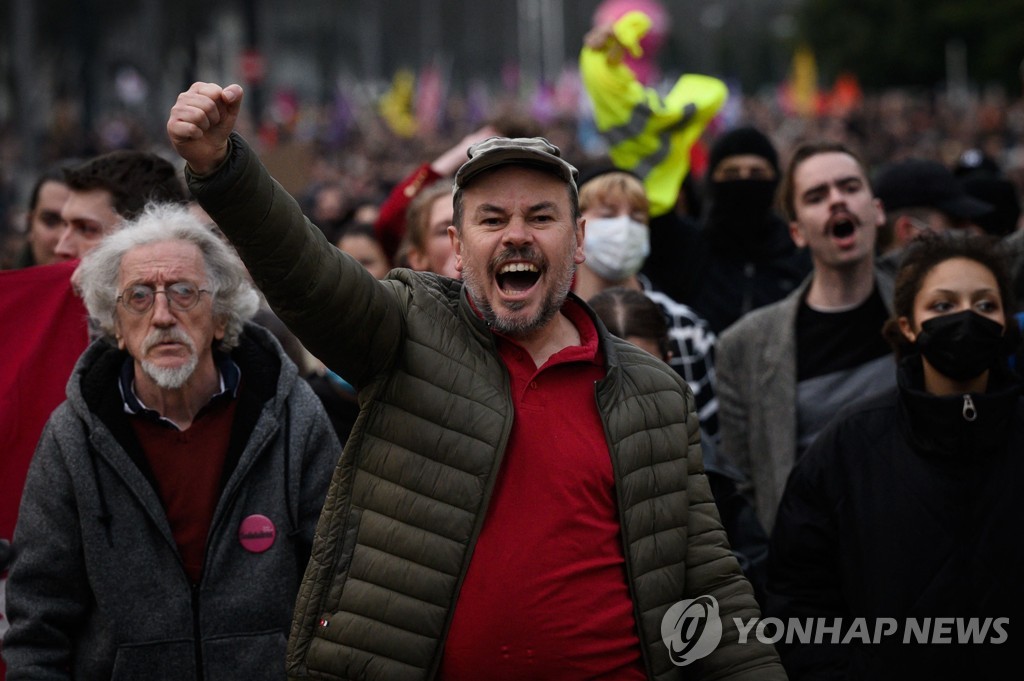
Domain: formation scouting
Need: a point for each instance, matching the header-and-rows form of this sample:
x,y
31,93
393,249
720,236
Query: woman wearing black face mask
x,y
905,509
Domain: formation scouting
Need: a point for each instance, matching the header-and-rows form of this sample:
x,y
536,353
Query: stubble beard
x,y
515,326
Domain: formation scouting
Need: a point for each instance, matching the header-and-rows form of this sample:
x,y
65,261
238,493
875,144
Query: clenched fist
x,y
200,123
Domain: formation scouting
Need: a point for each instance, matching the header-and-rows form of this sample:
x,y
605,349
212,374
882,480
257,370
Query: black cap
x,y
916,183
1002,194
973,162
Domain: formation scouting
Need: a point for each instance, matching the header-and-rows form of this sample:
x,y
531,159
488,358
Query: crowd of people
x,y
370,159
493,408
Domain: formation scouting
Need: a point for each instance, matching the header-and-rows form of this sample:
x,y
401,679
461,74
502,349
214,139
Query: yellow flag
x,y
804,83
396,104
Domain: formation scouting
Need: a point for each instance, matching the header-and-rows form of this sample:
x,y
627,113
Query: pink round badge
x,y
256,533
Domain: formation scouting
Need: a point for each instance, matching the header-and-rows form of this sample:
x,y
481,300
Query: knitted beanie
x,y
743,141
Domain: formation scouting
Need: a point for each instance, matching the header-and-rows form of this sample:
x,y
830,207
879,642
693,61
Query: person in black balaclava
x,y
748,259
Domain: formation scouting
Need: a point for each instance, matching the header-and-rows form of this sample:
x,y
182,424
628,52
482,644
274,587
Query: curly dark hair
x,y
922,255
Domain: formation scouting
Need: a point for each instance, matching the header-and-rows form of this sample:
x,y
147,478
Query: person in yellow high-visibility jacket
x,y
647,134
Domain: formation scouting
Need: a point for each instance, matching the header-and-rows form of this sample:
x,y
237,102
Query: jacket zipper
x,y
484,505
622,536
197,638
220,511
970,412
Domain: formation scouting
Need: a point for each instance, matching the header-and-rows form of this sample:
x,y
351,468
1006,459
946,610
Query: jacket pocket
x,y
252,656
155,661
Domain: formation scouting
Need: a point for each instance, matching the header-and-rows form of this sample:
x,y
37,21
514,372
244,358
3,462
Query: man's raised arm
x,y
320,293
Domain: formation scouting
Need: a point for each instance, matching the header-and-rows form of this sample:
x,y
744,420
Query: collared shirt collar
x,y
572,309
230,376
588,350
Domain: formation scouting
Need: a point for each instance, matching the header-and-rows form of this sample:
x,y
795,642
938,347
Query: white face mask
x,y
616,247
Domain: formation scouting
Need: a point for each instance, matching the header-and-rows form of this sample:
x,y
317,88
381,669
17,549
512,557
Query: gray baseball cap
x,y
524,151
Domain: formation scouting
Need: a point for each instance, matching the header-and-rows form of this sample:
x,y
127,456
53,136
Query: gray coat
x,y
411,492
756,372
98,590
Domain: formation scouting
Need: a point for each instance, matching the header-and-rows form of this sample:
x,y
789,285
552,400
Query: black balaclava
x,y
739,218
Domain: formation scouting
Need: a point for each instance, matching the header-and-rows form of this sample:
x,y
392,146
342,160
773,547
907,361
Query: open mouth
x,y
517,277
843,228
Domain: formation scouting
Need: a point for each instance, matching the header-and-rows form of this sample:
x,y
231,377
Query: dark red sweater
x,y
188,466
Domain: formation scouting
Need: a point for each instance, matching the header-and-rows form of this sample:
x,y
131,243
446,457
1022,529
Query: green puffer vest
x,y
408,497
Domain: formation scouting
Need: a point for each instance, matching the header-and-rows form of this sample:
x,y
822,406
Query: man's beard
x,y
558,289
170,378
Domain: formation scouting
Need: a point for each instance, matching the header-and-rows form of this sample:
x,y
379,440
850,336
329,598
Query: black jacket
x,y
718,278
735,278
903,508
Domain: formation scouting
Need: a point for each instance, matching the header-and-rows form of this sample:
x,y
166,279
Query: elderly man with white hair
x,y
170,508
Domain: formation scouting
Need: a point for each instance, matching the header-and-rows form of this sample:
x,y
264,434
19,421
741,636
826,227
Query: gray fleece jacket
x,y
98,590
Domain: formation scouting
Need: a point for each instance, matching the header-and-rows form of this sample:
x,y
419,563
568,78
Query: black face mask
x,y
739,214
961,346
741,205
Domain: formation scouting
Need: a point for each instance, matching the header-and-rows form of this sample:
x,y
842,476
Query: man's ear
x,y
903,230
117,334
796,234
453,234
581,230
880,212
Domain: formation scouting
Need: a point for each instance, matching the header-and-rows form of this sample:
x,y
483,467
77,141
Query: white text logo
x,y
932,630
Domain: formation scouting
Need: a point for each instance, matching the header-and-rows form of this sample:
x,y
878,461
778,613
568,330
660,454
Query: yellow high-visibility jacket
x,y
646,134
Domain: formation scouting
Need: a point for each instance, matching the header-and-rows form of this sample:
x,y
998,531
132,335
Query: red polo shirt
x,y
546,596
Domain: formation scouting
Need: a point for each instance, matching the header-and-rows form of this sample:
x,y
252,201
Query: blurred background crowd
x,y
345,98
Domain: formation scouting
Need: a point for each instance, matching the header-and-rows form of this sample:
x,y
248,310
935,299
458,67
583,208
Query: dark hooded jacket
x,y
98,589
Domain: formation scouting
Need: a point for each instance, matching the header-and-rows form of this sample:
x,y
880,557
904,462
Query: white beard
x,y
171,378
174,377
